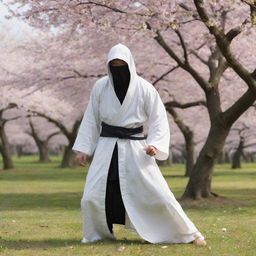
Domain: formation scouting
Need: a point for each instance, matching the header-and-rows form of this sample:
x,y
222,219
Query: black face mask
x,y
121,79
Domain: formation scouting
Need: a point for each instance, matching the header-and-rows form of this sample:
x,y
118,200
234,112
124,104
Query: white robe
x,y
151,208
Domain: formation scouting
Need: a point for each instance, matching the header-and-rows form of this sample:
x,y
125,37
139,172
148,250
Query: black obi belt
x,y
121,132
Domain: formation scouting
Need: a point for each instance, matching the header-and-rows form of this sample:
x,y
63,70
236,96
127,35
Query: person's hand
x,y
150,150
81,158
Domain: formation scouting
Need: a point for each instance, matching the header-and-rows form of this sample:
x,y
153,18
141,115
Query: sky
x,y
13,32
12,29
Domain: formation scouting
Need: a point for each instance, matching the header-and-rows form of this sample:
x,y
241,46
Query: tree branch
x,y
216,72
53,134
200,80
188,9
232,33
12,119
252,10
186,131
9,106
33,132
223,42
239,107
199,57
183,45
54,121
101,5
175,104
112,8
79,75
249,145
164,75
194,52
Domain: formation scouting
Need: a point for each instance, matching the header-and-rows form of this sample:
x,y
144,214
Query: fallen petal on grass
x,y
121,248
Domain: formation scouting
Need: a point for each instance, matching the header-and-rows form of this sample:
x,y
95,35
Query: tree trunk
x,y
7,159
250,157
226,158
236,162
190,153
221,158
199,185
68,159
43,152
236,159
19,150
42,146
170,158
189,140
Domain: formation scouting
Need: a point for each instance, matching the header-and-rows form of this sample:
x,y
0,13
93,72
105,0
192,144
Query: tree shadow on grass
x,y
234,173
56,243
43,174
70,201
36,244
24,201
234,198
167,176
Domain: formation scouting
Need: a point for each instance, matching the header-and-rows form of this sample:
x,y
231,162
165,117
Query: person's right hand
x,y
81,158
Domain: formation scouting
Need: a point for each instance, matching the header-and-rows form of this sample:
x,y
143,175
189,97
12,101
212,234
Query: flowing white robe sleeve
x,y
89,130
158,125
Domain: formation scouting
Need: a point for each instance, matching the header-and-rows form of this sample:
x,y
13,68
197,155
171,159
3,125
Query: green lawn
x,y
40,214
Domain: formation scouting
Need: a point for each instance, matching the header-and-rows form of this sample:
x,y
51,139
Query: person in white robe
x,y
151,209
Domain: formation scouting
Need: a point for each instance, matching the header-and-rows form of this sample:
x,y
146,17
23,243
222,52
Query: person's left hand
x,y
150,150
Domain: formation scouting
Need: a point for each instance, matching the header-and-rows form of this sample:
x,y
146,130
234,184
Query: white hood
x,y
122,52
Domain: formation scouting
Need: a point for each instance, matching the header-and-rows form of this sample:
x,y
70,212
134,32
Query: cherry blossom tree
x,y
241,140
54,88
6,115
42,144
171,104
46,104
203,39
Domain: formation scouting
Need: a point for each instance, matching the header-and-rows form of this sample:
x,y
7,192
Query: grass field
x,y
40,214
